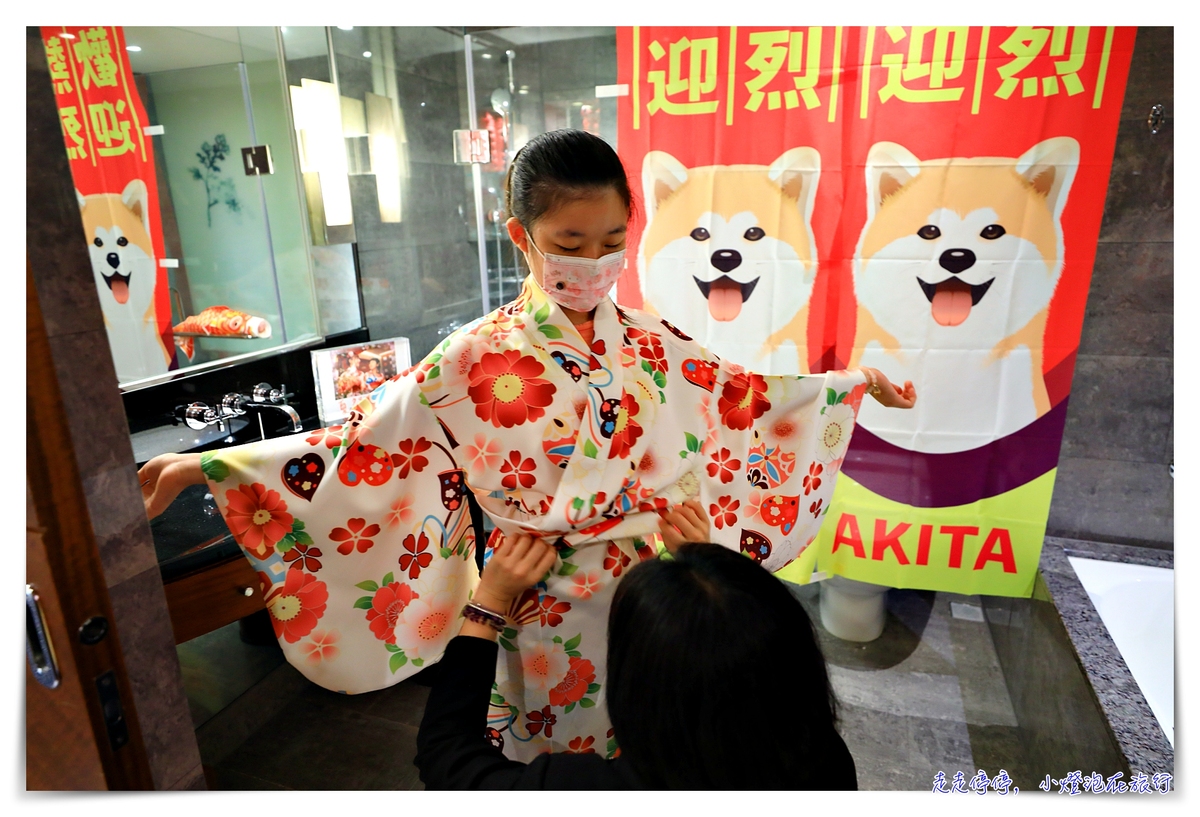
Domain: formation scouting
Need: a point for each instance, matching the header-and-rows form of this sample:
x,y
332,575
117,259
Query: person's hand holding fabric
x,y
888,393
517,563
684,523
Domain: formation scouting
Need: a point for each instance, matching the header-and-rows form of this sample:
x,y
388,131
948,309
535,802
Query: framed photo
x,y
346,374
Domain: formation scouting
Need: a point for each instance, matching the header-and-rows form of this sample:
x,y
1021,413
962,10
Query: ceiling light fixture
x,y
486,55
367,54
133,48
346,28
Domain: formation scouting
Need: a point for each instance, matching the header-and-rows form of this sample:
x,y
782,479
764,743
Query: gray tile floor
x,y
927,696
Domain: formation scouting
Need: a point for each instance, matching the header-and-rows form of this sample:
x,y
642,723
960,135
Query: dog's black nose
x,y
726,260
955,261
113,260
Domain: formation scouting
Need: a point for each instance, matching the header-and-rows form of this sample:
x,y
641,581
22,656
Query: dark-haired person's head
x,y
567,194
715,679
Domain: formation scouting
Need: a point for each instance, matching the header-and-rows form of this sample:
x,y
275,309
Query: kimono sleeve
x,y
774,447
360,537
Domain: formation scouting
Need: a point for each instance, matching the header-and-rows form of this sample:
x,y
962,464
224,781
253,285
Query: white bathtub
x,y
1137,605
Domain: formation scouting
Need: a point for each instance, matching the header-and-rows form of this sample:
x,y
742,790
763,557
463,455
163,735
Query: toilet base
x,y
851,610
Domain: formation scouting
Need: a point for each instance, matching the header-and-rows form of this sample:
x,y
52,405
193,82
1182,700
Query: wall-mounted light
x,y
383,138
486,55
367,54
133,48
317,109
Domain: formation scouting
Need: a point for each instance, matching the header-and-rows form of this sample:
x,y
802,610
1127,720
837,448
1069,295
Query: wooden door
x,y
81,733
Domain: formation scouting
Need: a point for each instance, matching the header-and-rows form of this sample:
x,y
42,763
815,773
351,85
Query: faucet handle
x,y
199,416
264,393
233,404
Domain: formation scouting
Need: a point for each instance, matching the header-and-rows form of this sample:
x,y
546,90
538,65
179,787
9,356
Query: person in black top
x,y
715,681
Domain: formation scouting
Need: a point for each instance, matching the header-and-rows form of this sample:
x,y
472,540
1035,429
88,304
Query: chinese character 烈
x,y
94,53
700,78
56,56
770,49
109,128
71,126
946,62
1025,44
939,783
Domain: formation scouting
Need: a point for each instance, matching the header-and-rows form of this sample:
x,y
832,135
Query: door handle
x,y
38,648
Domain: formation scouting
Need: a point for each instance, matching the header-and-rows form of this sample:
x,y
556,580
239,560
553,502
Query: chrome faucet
x,y
262,396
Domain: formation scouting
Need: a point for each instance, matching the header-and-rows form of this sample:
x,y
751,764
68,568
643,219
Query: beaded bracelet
x,y
481,615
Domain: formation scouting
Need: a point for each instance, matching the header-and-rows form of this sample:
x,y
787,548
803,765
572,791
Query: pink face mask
x,y
580,283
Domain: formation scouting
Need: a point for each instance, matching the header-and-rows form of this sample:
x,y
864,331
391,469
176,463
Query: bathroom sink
x,y
178,439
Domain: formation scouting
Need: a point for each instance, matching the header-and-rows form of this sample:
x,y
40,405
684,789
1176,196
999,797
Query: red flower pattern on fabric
x,y
410,457
357,533
650,349
297,605
812,480
581,746
257,517
542,721
508,390
627,431
304,557
332,437
417,557
386,605
550,611
517,471
574,684
815,508
724,465
723,512
743,400
615,561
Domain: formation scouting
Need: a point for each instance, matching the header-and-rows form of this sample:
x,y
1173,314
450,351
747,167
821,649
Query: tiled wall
x,y
81,360
1114,483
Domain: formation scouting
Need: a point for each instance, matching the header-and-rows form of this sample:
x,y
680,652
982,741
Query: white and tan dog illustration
x,y
954,273
118,235
729,257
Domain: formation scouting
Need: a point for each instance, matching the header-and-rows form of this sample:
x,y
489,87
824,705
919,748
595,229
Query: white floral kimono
x,y
362,539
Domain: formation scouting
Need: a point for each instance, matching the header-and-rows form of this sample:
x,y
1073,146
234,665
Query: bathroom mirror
x,y
183,155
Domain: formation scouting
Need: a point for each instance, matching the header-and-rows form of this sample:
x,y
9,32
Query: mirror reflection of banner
x,y
112,162
923,200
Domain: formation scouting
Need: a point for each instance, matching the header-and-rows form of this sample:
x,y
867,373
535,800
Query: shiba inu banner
x,y
112,161
923,200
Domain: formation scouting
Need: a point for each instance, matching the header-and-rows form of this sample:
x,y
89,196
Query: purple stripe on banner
x,y
961,477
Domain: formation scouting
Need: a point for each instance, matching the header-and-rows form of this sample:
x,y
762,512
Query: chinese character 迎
x,y
1070,783
945,63
939,783
959,783
1115,784
980,782
1025,44
700,79
1093,782
1139,783
57,58
71,129
1002,782
1162,782
770,49
109,128
94,53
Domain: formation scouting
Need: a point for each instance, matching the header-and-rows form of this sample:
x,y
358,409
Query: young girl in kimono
x,y
570,419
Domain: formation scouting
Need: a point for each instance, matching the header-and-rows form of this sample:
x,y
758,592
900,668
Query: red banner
x,y
924,200
112,161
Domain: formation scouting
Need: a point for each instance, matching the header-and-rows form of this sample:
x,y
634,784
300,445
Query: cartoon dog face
x,y
118,234
728,254
962,253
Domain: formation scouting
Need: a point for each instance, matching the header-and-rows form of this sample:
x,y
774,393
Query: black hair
x,y
715,678
562,165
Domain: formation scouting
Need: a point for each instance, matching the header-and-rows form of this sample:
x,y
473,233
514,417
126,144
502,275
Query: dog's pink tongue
x,y
120,291
724,300
951,303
